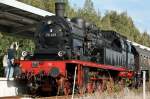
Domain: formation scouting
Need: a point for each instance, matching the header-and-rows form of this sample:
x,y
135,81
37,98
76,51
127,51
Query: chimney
x,y
60,8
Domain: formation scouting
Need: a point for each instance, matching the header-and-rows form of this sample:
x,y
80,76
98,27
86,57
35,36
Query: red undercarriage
x,y
46,66
62,69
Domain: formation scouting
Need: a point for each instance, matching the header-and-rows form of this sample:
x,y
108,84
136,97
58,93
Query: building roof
x,y
17,18
140,46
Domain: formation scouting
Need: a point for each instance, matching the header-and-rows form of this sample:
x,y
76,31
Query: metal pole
x,y
74,82
144,88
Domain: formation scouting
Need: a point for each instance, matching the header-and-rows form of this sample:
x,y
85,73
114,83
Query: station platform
x,y
7,87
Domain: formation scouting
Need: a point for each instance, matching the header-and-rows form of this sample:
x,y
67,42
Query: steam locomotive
x,y
76,54
60,39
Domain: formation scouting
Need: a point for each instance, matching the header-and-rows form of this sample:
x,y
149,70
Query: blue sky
x,y
137,9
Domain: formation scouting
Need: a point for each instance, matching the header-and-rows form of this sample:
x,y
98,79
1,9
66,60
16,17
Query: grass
x,y
125,95
121,94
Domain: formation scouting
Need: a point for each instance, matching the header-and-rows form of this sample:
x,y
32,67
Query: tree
x,y
36,3
89,14
106,23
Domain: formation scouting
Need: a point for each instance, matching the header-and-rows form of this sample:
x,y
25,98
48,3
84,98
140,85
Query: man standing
x,y
5,64
11,57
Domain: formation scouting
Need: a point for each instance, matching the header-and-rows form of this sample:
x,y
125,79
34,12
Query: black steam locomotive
x,y
60,38
75,43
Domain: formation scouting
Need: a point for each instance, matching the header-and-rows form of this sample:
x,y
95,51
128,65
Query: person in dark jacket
x,y
11,57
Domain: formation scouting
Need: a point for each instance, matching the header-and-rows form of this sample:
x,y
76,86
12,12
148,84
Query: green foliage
x,y
49,5
89,14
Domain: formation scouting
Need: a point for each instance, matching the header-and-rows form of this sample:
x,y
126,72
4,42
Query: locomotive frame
x,y
66,70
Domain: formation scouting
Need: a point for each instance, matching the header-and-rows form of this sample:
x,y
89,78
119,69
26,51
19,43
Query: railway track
x,y
11,97
26,97
59,97
56,97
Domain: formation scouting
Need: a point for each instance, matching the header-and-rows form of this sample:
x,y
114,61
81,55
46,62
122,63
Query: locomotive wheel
x,y
90,88
48,87
64,86
67,88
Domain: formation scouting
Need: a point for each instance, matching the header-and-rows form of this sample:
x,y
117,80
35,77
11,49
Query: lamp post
x,y
144,87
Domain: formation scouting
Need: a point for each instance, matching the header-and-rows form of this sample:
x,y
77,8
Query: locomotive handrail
x,y
91,64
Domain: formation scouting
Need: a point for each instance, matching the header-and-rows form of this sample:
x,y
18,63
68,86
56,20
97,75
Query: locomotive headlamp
x,y
61,53
60,30
24,53
54,72
49,22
